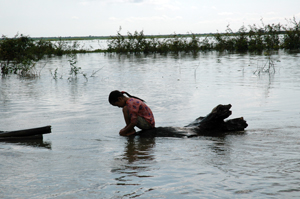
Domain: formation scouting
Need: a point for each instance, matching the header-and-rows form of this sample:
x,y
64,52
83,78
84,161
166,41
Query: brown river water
x,y
84,157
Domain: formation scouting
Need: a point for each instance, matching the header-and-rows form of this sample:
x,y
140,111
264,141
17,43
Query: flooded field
x,y
84,157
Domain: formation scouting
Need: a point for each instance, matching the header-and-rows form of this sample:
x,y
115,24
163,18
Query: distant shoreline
x,y
110,37
147,36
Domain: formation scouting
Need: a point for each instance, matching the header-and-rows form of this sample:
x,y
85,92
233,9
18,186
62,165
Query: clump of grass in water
x,y
75,70
255,39
19,56
268,67
55,74
291,39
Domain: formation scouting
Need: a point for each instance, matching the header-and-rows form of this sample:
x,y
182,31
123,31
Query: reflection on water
x,y
137,157
88,159
29,142
139,149
220,146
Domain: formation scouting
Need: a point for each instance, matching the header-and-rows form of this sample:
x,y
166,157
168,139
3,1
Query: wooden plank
x,y
26,132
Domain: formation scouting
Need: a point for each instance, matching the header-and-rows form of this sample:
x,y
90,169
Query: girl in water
x,y
135,111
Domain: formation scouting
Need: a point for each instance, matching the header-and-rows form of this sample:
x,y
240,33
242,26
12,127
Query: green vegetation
x,y
292,35
268,67
74,70
255,39
20,54
139,43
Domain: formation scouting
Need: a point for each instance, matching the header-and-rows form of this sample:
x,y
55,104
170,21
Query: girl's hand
x,y
122,132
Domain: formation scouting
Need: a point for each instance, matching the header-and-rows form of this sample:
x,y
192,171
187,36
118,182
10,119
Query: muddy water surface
x,y
84,157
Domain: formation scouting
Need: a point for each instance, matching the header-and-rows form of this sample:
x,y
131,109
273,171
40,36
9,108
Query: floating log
x,y
33,133
213,124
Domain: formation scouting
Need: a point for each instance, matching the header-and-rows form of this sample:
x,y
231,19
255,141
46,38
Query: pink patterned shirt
x,y
137,108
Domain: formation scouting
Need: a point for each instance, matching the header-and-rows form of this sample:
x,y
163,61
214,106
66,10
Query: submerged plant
x,y
94,72
54,75
268,67
74,69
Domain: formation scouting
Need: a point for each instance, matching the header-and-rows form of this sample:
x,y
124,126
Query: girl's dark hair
x,y
114,95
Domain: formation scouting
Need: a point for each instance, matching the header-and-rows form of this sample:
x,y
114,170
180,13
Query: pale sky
x,y
47,18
